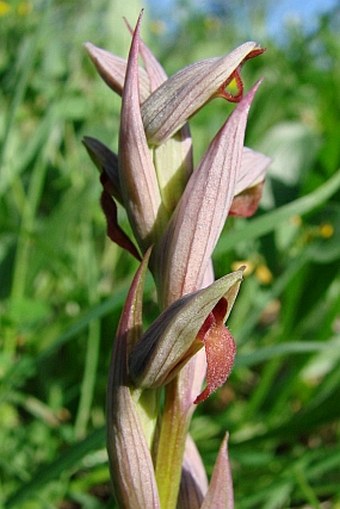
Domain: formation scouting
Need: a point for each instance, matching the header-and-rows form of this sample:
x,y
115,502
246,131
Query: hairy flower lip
x,y
220,350
177,99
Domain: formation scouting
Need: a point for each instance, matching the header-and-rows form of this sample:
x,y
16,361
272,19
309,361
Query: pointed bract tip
x,y
248,98
220,492
90,49
139,20
87,45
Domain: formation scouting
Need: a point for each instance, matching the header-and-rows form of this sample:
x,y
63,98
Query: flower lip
x,y
173,339
220,349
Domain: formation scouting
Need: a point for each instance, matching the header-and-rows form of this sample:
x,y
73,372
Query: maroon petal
x,y
106,161
246,203
114,231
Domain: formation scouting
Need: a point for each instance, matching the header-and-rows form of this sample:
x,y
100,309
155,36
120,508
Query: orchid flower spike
x,y
178,213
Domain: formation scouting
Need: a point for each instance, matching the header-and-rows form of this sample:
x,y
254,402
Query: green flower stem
x,y
147,406
170,448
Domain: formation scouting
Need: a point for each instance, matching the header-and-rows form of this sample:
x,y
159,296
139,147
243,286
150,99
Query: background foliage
x,y
63,284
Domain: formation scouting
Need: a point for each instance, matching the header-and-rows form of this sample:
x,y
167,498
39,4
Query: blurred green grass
x,y
63,284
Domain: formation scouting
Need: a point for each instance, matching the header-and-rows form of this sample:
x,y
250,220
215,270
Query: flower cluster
x,y
177,214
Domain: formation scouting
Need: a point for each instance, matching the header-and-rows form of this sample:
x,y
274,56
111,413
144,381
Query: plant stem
x,y
171,447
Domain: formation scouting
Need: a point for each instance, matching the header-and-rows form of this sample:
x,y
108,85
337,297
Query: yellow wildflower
x,y
4,8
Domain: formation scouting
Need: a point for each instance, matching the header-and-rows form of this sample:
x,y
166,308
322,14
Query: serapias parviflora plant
x,y
177,214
